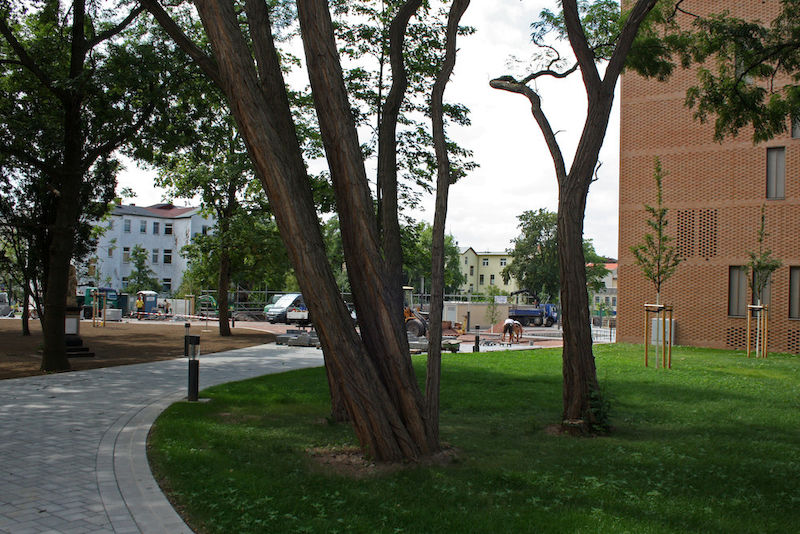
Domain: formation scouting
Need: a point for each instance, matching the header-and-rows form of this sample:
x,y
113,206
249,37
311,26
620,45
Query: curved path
x,y
72,445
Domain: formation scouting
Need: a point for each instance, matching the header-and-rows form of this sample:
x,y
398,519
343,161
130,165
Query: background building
x,y
484,269
162,230
714,192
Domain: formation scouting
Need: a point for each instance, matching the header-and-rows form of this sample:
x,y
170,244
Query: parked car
x,y
277,313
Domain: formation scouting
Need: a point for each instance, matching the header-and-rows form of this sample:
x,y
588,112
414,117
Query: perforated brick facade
x,y
714,192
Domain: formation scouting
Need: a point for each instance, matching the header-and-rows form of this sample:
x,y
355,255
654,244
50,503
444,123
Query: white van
x,y
277,313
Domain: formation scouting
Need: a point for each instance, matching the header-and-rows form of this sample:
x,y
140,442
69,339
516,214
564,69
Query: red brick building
x,y
714,192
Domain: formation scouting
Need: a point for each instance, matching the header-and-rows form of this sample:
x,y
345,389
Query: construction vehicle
x,y
416,321
533,313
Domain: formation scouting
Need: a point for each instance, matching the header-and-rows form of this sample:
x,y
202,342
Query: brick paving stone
x,y
74,444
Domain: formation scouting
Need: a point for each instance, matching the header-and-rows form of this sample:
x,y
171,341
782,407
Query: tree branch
x,y
579,44
27,61
625,40
27,158
114,143
207,64
111,32
508,83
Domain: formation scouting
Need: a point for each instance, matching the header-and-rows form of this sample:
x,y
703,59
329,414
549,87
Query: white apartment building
x,y
162,230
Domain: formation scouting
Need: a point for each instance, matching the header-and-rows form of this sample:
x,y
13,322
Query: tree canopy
x,y
748,70
77,81
534,257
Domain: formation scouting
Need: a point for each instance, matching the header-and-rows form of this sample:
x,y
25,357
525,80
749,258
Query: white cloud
x,y
516,170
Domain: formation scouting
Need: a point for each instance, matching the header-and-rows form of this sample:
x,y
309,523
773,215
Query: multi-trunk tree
x,y
597,33
371,374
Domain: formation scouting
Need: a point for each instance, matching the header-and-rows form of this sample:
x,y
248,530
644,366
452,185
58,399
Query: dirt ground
x,y
117,344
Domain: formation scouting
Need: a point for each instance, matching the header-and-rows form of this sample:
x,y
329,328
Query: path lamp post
x,y
191,346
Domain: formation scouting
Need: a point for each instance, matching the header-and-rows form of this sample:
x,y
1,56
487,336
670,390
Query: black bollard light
x,y
477,347
192,344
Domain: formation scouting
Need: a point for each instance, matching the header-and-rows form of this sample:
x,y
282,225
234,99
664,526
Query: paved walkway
x,y
72,445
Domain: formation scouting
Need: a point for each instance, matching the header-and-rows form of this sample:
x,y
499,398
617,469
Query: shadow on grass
x,y
699,448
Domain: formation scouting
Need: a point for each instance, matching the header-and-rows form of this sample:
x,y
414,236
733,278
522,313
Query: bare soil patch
x,y
117,344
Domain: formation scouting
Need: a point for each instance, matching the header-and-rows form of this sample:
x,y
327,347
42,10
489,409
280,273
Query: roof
x,y
164,211
464,250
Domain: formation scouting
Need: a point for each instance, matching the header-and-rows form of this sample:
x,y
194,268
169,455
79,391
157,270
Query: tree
x,y
72,91
656,257
417,246
761,264
534,258
371,374
142,277
216,168
747,71
596,33
257,255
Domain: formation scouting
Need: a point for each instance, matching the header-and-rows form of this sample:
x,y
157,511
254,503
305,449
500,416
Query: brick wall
x,y
714,192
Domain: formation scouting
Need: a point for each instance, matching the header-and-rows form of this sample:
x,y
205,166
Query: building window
x,y
472,270
126,226
167,255
776,172
491,279
614,301
155,255
737,291
794,292
204,230
485,262
466,261
597,299
471,288
126,255
166,285
167,228
502,262
480,281
110,252
795,127
142,227
124,282
156,228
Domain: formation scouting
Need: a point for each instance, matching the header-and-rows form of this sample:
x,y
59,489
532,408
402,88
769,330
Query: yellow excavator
x,y
416,321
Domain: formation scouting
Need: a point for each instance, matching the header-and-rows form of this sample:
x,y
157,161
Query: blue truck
x,y
535,314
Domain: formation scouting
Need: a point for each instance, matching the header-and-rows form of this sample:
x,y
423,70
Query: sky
x,y
516,171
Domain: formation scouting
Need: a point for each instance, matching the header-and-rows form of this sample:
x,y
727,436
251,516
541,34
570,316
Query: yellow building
x,y
484,269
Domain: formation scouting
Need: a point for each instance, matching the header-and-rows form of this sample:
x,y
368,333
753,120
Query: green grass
x,y
711,446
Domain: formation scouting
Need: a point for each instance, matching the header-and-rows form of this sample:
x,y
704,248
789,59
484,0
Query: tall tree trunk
x,y
26,295
385,343
387,160
222,290
440,215
578,367
386,421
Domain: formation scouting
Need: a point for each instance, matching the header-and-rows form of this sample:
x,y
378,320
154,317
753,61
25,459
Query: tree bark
x,y
440,215
26,295
579,372
386,344
377,385
387,160
222,291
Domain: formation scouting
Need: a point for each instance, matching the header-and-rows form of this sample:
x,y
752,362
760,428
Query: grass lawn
x,y
711,446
